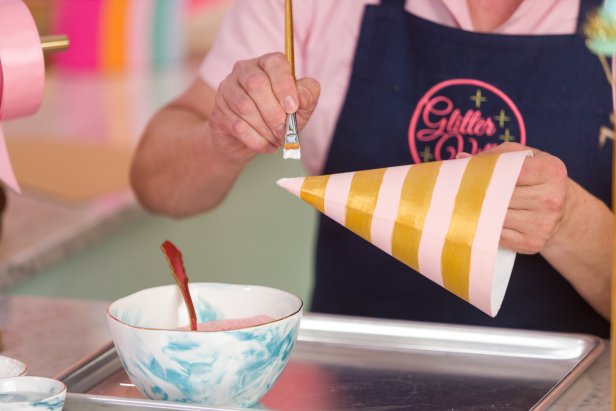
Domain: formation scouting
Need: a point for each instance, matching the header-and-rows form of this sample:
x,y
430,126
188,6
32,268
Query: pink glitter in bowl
x,y
232,323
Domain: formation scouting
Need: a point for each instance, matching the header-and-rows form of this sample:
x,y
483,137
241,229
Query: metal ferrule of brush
x,y
291,139
291,136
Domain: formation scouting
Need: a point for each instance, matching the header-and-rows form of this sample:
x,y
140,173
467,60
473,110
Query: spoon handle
x,y
174,258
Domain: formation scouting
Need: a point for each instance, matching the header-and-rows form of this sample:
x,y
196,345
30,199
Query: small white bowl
x,y
233,368
10,367
31,394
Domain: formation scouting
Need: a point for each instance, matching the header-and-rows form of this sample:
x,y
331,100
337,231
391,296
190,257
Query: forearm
x,y
582,246
194,149
176,170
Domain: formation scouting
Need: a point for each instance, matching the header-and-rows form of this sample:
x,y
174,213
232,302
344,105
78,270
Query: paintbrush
x,y
291,147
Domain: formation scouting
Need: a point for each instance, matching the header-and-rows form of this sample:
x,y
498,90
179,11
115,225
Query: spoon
x,y
174,258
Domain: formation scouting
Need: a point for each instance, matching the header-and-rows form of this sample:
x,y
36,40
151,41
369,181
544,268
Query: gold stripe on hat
x,y
313,191
414,204
361,201
456,256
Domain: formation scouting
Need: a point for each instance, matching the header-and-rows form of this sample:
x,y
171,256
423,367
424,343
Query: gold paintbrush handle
x,y
291,147
288,38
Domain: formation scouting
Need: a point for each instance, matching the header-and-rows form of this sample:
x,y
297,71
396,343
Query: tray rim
x,y
596,346
168,405
564,384
517,333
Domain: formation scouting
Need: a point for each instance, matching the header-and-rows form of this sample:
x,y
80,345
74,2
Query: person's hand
x,y
251,105
539,203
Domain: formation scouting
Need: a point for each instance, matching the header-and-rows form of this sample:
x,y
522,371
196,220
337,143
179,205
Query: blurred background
x,y
77,230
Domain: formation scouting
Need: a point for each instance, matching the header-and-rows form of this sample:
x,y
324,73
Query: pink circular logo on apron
x,y
484,117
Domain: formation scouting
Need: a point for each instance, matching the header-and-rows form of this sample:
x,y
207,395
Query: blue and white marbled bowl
x,y
10,367
31,394
216,368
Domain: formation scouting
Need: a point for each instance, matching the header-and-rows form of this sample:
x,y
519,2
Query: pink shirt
x,y
326,33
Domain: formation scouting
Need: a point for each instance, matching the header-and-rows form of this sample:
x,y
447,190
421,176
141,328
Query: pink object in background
x,y
198,4
80,20
140,13
22,73
115,36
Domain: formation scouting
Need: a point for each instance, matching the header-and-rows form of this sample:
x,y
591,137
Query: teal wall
x,y
259,235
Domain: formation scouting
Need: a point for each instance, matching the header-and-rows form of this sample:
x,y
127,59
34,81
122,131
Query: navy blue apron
x,y
479,90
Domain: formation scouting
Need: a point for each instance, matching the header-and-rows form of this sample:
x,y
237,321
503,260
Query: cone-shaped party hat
x,y
443,219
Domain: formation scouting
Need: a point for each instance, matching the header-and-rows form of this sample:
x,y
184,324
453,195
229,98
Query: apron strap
x,y
399,4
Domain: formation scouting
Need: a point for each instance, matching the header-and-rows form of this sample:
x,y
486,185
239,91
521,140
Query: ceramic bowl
x,y
216,368
31,394
10,367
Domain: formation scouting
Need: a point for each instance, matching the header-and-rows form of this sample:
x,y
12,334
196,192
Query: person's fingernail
x,y
290,104
462,155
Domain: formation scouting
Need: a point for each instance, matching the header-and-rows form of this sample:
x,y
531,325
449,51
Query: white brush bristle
x,y
294,154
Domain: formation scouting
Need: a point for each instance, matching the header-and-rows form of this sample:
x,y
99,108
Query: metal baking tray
x,y
348,363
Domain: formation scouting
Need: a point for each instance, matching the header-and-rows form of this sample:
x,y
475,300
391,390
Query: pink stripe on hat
x,y
438,218
387,206
336,195
292,185
490,271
